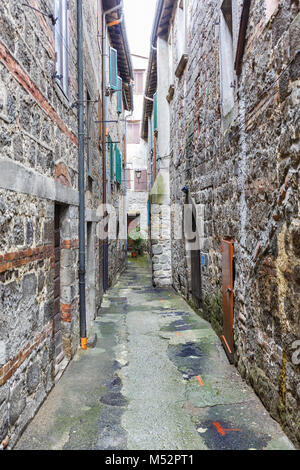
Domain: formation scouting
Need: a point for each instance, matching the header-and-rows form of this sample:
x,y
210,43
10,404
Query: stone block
x,y
157,250
19,236
17,402
4,421
29,285
32,377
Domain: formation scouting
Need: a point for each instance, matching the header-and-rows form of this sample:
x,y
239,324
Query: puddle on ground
x,y
232,428
189,358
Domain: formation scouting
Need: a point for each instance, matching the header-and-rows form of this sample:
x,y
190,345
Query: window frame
x,y
130,133
141,73
61,45
113,67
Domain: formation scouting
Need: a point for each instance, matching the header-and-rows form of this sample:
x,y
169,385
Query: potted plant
x,y
137,240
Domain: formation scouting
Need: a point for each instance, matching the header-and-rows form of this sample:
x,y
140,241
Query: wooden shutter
x,y
118,164
124,151
119,96
113,68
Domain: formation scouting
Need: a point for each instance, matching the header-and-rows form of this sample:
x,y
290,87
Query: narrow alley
x,y
149,225
157,378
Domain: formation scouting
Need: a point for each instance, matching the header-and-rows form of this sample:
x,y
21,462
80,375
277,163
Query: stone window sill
x,y
181,66
170,93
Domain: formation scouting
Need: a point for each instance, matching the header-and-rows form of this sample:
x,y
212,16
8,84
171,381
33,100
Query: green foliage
x,y
138,238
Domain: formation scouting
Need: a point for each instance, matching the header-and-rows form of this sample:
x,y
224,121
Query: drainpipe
x,y
82,303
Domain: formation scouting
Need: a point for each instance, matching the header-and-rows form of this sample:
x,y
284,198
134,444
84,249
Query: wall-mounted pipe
x,y
82,300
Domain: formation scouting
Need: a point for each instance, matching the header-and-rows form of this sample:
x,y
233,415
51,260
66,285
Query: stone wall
x,y
116,195
244,170
39,298
160,229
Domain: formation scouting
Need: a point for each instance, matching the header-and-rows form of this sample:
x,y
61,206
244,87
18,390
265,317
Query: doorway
x,y
196,266
90,277
193,254
227,338
59,354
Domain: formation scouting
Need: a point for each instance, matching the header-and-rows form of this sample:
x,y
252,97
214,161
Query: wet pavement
x,y
157,379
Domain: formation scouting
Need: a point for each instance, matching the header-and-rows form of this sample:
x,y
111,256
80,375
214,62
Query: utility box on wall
x,y
227,249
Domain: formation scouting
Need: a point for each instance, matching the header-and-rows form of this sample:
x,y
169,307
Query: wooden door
x,y
227,338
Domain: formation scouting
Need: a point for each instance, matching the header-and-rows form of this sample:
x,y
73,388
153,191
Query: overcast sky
x,y
139,16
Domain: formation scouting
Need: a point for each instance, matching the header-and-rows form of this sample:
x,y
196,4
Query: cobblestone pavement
x,y
157,379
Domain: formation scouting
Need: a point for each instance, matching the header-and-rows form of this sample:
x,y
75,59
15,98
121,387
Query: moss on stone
x,y
212,310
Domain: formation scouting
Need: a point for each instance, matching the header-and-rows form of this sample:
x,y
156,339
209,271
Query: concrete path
x,y
157,379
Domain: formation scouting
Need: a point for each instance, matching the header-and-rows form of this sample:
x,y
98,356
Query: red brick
x,y
9,256
26,82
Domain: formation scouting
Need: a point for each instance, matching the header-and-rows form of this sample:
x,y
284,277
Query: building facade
x,y
224,80
137,157
39,187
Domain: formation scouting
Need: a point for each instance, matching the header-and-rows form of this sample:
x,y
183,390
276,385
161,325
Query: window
x,y
226,58
61,38
128,177
133,133
113,68
138,82
182,29
140,180
271,6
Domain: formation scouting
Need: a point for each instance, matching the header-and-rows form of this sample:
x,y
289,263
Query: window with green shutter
x,y
113,68
118,164
111,155
155,111
119,96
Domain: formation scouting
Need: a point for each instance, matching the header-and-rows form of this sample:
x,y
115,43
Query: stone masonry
x,y
235,146
39,295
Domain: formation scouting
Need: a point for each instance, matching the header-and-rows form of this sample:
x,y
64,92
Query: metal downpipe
x,y
82,300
